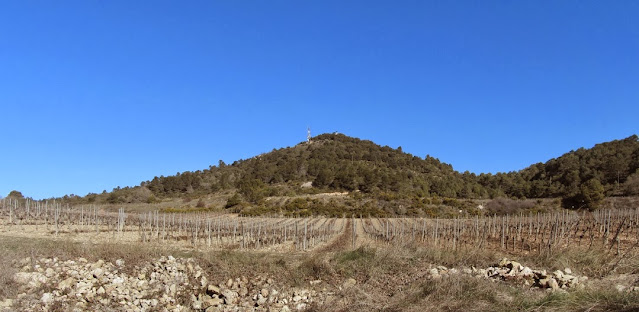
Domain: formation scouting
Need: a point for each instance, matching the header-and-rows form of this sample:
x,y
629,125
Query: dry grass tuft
x,y
598,299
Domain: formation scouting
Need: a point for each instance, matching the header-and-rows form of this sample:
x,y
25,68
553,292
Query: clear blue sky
x,y
99,94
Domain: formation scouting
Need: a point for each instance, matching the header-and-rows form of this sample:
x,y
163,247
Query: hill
x,y
612,168
386,180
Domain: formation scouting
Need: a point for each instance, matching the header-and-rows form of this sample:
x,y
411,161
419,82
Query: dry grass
x,y
598,299
389,278
8,288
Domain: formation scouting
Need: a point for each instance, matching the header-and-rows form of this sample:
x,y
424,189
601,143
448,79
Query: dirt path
x,y
342,241
364,238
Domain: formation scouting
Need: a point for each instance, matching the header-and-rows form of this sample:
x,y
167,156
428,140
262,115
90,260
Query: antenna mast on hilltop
x,y
308,135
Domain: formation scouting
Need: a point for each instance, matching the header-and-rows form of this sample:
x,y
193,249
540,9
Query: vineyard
x,y
616,230
194,229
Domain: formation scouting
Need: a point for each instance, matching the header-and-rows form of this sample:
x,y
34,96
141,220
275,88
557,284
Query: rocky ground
x,y
165,284
180,284
58,274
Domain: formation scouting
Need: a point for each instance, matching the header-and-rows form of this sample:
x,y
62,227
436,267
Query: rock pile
x,y
512,270
258,294
165,284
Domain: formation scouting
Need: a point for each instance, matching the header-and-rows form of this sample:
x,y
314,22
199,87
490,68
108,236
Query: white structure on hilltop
x,y
308,135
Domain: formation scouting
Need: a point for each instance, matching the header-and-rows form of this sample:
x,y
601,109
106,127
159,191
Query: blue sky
x,y
99,94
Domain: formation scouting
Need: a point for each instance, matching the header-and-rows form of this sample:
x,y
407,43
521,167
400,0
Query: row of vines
x,y
614,229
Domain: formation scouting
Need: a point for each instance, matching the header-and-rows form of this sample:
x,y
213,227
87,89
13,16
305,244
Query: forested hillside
x,y
610,168
332,162
338,163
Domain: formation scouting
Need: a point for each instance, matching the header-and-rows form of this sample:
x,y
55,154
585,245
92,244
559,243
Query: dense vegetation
x,y
580,177
380,175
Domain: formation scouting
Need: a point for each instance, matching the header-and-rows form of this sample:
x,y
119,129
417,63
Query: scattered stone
x,y
261,300
526,272
30,279
49,272
97,272
197,305
47,298
212,301
513,265
243,292
67,283
230,297
558,274
6,303
349,283
97,264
